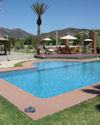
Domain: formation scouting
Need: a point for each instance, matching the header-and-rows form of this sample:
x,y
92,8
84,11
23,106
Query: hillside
x,y
19,33
16,33
71,31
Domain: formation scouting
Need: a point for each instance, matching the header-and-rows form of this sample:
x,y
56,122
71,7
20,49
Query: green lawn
x,y
84,113
26,51
19,64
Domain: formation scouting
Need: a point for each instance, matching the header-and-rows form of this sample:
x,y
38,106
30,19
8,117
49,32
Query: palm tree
x,y
0,3
39,9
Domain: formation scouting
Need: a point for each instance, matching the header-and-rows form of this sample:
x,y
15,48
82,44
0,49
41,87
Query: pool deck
x,y
44,107
66,56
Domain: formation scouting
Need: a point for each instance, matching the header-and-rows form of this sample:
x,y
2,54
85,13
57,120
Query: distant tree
x,y
90,34
12,41
34,43
84,36
62,42
17,45
98,39
53,41
22,44
39,9
28,41
79,40
99,34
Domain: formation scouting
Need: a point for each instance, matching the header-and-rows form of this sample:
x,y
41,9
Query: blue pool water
x,y
54,78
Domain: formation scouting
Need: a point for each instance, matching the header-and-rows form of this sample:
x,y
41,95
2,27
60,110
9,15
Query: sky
x,y
60,15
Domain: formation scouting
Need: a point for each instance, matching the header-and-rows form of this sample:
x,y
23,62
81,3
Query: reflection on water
x,y
54,78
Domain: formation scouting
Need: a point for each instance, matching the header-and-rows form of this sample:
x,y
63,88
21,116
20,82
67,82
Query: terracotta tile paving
x,y
44,107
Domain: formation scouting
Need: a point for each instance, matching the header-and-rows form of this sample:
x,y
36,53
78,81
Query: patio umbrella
x,y
3,39
67,38
88,40
47,39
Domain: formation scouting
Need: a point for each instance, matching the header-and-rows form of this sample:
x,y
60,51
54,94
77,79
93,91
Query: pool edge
x,y
44,107
29,64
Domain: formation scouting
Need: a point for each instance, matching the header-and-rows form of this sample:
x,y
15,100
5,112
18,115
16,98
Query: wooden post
x,y
94,43
67,42
5,51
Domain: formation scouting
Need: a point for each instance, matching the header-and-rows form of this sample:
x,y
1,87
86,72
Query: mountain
x,y
16,33
71,31
19,33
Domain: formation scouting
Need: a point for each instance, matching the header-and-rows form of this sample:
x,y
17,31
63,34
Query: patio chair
x,y
72,50
58,49
77,49
98,50
49,51
65,50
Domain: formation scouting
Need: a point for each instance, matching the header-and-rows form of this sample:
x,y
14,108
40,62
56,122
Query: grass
x,y
26,51
84,113
19,64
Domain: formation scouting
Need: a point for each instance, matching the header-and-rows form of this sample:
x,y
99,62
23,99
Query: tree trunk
x,y
38,34
94,43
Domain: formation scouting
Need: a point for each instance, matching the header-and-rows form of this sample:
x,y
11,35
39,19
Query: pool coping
x,y
44,107
29,64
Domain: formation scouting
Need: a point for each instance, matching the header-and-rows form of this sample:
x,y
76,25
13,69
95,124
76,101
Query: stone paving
x,y
15,57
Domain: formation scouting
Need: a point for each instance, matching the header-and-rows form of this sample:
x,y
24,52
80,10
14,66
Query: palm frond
x,y
39,8
0,1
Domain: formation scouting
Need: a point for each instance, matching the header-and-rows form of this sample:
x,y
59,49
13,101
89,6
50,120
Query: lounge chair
x,y
48,51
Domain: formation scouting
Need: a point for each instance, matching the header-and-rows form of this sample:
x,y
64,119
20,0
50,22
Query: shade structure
x,y
6,44
69,37
3,39
47,39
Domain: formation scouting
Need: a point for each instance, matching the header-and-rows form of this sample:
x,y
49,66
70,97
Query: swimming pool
x,y
54,78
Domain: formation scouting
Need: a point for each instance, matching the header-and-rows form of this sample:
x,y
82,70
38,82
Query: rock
x,y
30,109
